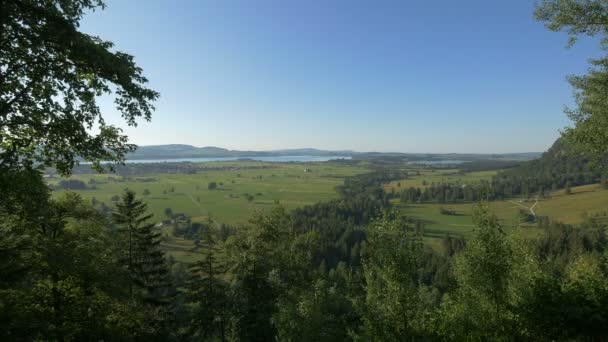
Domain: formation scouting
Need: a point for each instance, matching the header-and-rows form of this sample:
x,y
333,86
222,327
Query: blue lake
x,y
437,162
276,159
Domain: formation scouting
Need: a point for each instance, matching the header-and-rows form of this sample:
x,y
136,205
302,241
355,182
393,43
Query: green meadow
x,y
420,178
584,201
245,187
242,188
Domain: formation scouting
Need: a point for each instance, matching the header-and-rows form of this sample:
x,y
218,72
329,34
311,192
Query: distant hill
x,y
176,151
463,157
560,167
559,160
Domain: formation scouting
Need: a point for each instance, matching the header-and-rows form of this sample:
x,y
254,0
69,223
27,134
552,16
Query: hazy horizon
x,y
390,76
333,150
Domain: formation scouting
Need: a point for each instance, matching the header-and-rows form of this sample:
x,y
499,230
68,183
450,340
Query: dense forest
x,y
558,168
350,269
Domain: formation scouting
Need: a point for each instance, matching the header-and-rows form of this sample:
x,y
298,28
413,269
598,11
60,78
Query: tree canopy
x,y
590,116
51,75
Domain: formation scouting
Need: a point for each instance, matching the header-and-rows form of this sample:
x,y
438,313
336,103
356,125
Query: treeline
x,y
368,182
558,168
488,165
497,189
134,169
71,184
444,193
500,187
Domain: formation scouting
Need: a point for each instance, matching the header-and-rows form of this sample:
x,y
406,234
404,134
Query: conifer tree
x,y
131,215
150,279
207,295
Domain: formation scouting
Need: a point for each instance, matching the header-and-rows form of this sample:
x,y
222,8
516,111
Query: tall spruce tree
x,y
207,295
149,272
130,214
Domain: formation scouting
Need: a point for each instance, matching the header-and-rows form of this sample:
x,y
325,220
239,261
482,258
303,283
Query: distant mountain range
x,y
177,151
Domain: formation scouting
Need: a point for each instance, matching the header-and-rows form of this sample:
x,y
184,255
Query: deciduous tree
x,y
590,116
51,75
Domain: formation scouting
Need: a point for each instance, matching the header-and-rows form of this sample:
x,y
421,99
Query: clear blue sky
x,y
408,76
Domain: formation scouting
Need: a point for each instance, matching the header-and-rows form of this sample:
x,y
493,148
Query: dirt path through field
x,y
531,209
195,202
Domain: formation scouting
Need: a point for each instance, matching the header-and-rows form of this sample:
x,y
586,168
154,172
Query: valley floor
x,y
246,186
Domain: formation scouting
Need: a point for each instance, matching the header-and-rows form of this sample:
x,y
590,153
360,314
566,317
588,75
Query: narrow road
x,y
531,209
519,204
195,202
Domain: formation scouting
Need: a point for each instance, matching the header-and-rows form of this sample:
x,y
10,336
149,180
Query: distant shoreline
x,y
270,159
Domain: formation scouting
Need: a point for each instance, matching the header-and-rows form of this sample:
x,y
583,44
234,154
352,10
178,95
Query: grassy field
x,y
423,177
588,200
268,183
584,200
291,186
286,183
